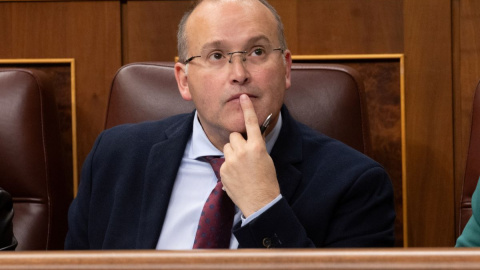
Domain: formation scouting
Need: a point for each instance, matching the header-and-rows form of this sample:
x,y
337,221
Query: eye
x,y
215,56
258,52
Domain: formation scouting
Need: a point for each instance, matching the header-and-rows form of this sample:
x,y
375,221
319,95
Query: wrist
x,y
260,203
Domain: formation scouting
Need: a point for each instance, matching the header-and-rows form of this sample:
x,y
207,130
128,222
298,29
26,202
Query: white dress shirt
x,y
194,183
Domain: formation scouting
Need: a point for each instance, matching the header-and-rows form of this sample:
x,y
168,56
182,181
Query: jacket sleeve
x,y
278,227
7,239
363,217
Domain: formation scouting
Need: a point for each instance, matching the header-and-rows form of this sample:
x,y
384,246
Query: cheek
x,y
273,83
275,86
199,85
273,74
204,92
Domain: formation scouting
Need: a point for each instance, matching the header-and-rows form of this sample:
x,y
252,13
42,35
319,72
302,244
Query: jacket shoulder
x,y
146,129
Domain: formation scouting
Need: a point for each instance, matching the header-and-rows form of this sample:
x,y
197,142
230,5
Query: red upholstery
x,y
328,98
32,160
472,170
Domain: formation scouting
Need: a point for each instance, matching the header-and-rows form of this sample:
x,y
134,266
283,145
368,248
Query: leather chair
x,y
472,170
326,97
32,160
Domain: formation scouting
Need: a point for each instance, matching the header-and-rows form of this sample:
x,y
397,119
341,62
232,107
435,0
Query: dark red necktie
x,y
215,225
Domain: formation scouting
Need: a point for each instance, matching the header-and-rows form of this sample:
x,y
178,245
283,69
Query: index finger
x,y
251,120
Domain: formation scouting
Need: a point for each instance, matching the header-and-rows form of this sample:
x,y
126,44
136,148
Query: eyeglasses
x,y
217,59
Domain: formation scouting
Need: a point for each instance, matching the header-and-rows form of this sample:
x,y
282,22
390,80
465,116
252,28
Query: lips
x,y
237,96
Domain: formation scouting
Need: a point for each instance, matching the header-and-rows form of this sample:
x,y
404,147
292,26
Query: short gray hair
x,y
182,42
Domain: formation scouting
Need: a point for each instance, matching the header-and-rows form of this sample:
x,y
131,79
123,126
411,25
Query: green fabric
x,y
470,236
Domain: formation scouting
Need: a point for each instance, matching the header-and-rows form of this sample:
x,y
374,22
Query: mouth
x,y
237,97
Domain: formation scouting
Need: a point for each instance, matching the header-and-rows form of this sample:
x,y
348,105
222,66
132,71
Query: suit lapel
x,y
162,167
285,154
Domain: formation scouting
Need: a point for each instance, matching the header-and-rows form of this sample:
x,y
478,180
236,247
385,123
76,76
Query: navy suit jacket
x,y
333,196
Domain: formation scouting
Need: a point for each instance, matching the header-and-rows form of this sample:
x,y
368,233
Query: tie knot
x,y
216,162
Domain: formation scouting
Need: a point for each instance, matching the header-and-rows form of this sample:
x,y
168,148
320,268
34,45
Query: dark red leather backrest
x,y
32,160
326,97
472,170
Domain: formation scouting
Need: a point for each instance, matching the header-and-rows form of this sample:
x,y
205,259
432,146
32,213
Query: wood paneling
x,y
429,128
344,26
311,27
466,66
150,29
88,31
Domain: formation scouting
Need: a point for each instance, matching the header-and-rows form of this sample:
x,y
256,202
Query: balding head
x,y
182,37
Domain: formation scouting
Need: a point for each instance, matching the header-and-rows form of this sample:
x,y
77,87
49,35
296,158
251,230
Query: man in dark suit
x,y
7,239
145,185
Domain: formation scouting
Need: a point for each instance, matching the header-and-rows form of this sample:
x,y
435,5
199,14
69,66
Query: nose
x,y
238,71
242,53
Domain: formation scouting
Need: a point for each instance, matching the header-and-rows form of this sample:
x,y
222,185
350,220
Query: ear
x,y
288,68
182,80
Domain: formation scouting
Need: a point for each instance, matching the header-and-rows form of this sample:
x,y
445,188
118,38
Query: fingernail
x,y
243,97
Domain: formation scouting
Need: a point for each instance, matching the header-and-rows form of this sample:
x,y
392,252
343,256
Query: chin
x,y
236,124
239,130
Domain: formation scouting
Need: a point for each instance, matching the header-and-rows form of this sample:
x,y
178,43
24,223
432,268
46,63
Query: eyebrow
x,y
219,43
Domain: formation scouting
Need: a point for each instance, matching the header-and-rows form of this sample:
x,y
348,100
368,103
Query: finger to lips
x,y
250,116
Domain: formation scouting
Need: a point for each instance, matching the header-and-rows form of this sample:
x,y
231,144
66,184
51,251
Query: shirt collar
x,y
201,146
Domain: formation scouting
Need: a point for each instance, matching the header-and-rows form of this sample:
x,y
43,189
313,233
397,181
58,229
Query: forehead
x,y
230,23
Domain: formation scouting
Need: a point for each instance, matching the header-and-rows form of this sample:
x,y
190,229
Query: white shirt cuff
x,y
245,221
